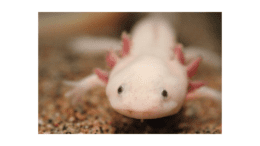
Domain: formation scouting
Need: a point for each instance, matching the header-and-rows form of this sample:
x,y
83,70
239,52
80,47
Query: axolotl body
x,y
149,80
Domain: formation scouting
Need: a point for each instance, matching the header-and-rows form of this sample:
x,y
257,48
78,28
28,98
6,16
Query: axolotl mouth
x,y
145,114
138,114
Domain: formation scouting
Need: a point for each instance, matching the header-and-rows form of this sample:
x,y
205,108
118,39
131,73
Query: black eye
x,y
164,93
120,90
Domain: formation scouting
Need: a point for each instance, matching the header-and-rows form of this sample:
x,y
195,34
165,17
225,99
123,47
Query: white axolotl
x,y
149,80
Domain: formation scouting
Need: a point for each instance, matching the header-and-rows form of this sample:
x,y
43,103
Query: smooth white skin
x,y
154,36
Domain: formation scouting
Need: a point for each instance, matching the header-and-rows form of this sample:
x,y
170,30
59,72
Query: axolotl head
x,y
147,87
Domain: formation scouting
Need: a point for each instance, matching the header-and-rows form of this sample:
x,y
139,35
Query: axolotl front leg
x,y
84,85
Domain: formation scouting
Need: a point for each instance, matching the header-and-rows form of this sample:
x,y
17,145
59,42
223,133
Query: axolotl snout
x,y
149,80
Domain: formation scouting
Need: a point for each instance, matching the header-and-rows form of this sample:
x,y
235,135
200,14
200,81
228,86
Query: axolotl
x,y
148,79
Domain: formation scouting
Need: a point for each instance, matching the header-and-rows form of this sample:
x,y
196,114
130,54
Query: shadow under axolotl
x,y
163,125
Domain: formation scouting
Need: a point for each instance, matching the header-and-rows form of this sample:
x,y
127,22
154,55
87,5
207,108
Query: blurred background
x,y
196,29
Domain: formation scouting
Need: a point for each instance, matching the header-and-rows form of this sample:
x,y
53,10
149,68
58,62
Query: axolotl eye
x,y
164,94
120,90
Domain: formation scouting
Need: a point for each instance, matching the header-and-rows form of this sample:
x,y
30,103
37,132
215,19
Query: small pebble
x,y
71,119
50,121
40,122
49,126
57,114
96,123
64,127
80,116
81,133
78,124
